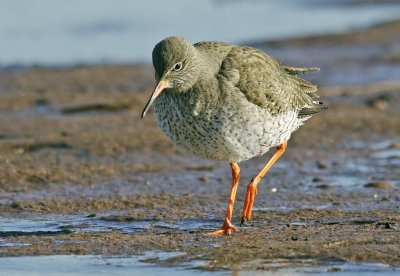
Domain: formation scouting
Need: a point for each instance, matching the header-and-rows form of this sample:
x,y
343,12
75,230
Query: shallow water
x,y
90,265
58,224
70,32
139,265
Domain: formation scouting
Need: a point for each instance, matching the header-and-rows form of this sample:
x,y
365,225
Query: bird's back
x,y
267,83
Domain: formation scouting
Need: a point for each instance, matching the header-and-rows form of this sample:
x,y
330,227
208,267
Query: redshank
x,y
229,103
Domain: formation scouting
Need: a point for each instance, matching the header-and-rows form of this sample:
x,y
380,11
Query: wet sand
x,y
81,173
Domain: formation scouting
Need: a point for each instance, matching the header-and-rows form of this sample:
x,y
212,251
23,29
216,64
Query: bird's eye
x,y
178,66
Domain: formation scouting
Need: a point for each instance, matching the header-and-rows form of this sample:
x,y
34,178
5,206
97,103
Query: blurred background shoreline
x,y
69,33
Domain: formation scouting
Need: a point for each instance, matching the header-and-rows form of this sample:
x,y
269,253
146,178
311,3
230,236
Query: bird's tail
x,y
307,87
296,71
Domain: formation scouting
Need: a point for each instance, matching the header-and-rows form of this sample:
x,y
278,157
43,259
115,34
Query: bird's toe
x,y
227,229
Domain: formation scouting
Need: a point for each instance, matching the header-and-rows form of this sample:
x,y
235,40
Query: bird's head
x,y
176,67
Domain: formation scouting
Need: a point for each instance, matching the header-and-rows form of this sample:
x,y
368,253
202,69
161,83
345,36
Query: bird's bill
x,y
162,84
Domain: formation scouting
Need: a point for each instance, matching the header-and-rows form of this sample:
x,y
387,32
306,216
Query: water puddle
x,y
320,267
12,244
342,221
386,154
42,225
301,206
359,166
385,149
346,181
93,265
140,265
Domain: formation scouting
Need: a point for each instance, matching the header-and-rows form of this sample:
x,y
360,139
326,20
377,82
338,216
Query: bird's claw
x,y
226,229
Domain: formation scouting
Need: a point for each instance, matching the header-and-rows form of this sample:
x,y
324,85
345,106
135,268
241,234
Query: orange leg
x,y
228,227
252,187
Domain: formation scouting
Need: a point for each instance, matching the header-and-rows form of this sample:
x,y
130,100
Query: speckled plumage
x,y
229,103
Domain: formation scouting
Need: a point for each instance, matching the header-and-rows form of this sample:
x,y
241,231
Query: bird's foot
x,y
244,220
249,202
226,229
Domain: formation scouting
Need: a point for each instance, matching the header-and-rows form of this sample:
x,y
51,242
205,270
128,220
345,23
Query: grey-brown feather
x,y
241,101
268,84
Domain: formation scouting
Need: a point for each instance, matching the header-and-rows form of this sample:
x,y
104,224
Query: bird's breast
x,y
227,130
187,122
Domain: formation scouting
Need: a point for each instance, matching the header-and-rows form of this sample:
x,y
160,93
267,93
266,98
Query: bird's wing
x,y
268,84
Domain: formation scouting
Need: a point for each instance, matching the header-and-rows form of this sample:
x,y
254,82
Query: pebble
x,y
379,185
325,186
380,102
333,269
317,179
321,165
204,178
